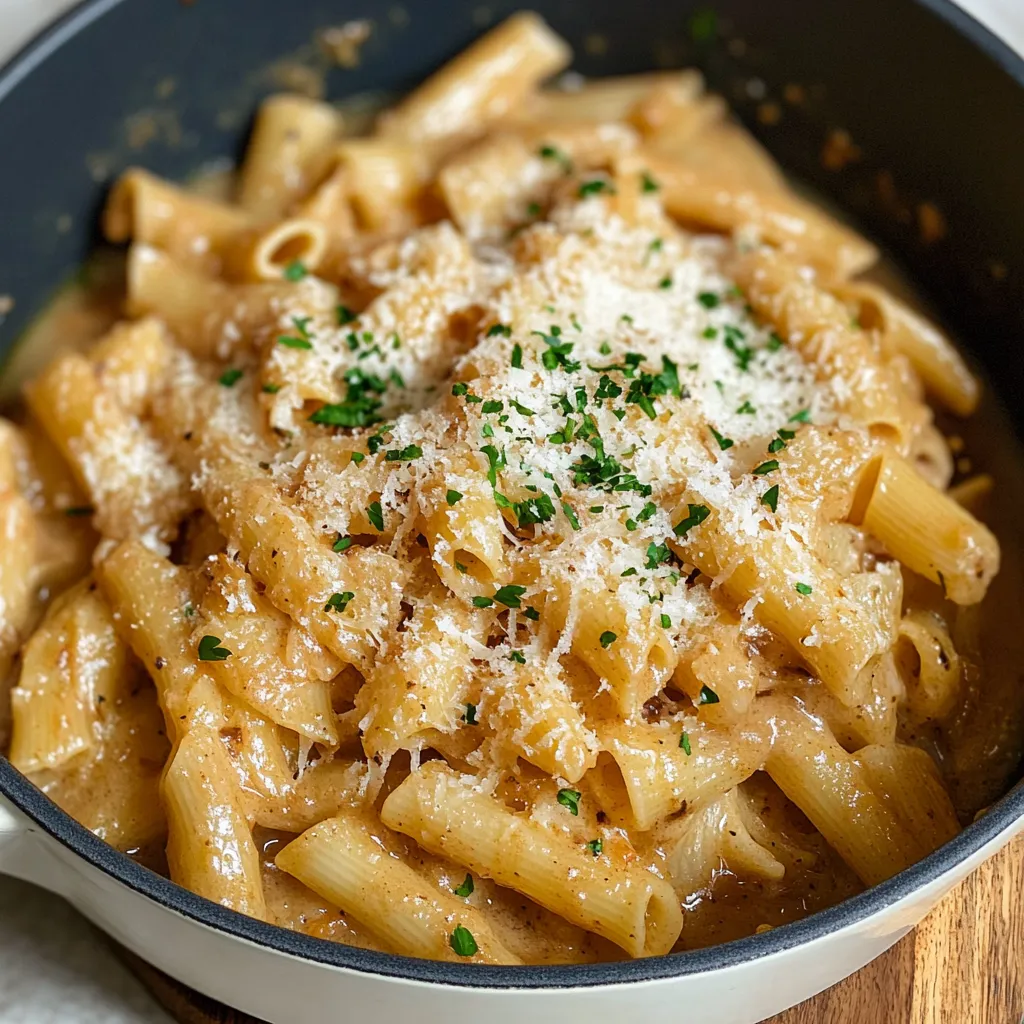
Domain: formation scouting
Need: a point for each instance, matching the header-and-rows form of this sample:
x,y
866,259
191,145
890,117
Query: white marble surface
x,y
54,967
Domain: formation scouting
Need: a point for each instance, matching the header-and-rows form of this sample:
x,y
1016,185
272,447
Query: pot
x,y
907,114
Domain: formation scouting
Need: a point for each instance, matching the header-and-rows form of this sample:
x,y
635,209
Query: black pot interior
x,y
933,104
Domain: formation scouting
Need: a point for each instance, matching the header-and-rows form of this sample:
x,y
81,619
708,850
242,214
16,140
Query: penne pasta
x,y
447,814
193,230
482,84
289,147
957,552
343,860
209,845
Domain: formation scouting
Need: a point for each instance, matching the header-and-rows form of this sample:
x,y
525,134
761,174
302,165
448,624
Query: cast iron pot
x,y
935,105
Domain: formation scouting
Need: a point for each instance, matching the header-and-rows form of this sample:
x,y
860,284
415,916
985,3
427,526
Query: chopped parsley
x,y
595,846
734,342
495,461
666,622
570,515
684,743
665,283
79,511
607,638
724,443
517,657
482,602
648,386
343,315
656,554
803,416
291,342
709,300
466,889
499,331
210,649
517,356
338,602
707,696
469,717
271,389
770,498
453,497
462,941
558,351
540,509
532,613
509,595
803,589
295,271
569,798
376,516
361,404
343,543
647,183
229,378
746,409
549,152
406,454
766,467
594,187
695,515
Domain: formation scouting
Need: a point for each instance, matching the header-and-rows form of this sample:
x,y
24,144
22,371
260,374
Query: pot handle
x,y
13,832
11,824
23,855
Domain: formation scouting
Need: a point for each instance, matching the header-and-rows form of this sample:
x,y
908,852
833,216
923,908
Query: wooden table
x,y
963,965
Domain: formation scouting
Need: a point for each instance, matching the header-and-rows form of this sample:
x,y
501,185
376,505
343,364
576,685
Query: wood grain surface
x,y
963,965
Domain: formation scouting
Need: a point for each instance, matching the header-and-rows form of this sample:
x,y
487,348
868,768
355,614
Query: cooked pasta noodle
x,y
520,523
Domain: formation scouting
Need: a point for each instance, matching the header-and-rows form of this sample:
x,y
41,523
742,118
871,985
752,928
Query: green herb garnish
x,y
209,649
462,941
569,798
696,514
338,602
376,516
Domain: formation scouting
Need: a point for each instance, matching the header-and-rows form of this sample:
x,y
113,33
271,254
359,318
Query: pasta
x,y
519,527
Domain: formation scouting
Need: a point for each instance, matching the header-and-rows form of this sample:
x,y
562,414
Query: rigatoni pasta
x,y
520,525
